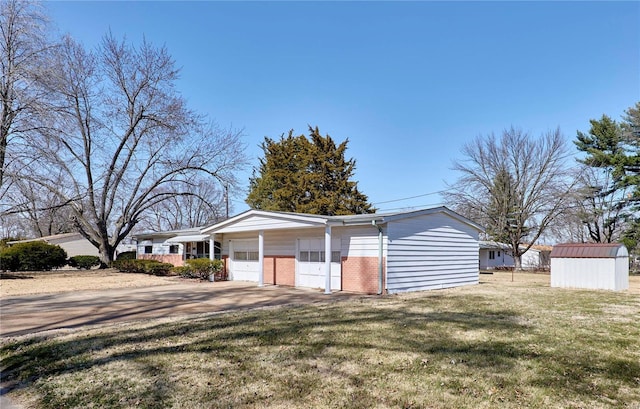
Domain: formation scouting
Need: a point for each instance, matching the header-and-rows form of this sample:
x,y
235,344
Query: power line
x,y
407,198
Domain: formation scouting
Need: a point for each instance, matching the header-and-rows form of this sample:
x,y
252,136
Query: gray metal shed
x,y
603,266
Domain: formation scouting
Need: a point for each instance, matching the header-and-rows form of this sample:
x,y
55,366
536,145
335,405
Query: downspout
x,y
380,254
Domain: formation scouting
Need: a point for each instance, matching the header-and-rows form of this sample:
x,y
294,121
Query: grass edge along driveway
x,y
491,345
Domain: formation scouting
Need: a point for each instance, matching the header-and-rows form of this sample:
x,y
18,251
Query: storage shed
x,y
602,266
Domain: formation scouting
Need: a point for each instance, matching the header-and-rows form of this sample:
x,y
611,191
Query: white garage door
x,y
244,260
310,264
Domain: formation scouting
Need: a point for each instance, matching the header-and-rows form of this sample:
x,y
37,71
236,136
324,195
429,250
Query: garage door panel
x,y
245,263
311,264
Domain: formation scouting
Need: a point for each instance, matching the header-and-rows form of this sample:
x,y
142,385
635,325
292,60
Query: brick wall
x,y
280,270
175,259
360,274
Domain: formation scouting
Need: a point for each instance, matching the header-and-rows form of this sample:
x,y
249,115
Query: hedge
x,y
152,267
84,262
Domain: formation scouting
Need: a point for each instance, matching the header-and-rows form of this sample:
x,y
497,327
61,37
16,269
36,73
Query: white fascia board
x,y
227,226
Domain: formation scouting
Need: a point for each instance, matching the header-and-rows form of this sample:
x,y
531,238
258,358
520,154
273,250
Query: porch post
x,y
261,258
212,240
327,259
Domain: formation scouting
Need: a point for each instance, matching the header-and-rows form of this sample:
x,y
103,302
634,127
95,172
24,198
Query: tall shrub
x,y
33,256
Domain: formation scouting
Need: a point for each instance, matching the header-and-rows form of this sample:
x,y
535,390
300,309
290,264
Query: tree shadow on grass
x,y
315,346
12,276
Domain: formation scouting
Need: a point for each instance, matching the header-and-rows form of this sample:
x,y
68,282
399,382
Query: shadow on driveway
x,y
35,313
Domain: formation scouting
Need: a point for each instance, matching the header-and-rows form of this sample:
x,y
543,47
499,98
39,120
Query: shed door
x,y
310,264
244,257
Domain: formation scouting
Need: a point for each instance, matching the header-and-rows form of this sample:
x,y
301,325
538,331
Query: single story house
x,y
495,255
74,244
368,253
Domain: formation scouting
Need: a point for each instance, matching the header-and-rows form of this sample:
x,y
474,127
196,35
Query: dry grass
x,y
499,344
73,280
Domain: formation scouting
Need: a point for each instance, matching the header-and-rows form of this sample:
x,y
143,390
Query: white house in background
x,y
369,253
73,243
495,256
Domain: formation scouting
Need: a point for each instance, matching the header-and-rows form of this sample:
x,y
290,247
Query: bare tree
x,y
124,139
205,205
600,205
516,184
24,48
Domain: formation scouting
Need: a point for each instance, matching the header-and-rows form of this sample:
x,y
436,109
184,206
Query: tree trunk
x,y
106,254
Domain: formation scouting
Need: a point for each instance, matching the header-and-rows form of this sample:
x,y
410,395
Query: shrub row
x,y
152,267
200,268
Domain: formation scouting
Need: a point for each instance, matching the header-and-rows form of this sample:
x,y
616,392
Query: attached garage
x,y
602,266
369,253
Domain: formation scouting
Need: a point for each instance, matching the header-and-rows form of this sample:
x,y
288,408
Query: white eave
x,y
188,239
253,220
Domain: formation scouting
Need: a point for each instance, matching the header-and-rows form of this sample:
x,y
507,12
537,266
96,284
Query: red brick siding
x,y
175,259
360,274
280,270
285,270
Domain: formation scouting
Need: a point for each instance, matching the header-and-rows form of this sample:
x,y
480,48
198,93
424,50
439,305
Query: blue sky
x,y
408,83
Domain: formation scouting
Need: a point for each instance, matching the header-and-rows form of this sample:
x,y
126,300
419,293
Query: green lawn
x,y
491,345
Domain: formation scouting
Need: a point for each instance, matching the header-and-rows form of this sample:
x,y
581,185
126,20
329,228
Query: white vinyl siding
x,y
429,252
359,241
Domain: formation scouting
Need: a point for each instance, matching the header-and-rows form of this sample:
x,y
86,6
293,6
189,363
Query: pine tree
x,y
610,188
306,175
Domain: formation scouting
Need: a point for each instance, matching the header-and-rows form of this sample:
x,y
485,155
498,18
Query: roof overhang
x,y
253,220
188,239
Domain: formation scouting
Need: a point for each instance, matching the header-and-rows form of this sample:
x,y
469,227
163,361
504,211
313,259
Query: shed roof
x,y
589,250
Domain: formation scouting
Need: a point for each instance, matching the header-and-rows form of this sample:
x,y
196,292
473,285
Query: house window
x,y
148,249
246,255
173,249
492,255
498,253
318,256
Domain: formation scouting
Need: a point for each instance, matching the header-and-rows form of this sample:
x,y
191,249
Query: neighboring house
x,y
73,243
495,256
537,257
368,253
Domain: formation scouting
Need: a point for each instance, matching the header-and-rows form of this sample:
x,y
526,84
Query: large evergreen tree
x,y
611,191
306,175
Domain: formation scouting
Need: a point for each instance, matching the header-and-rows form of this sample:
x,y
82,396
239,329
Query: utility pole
x,y
226,199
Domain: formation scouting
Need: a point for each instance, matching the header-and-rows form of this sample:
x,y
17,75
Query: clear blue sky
x,y
406,82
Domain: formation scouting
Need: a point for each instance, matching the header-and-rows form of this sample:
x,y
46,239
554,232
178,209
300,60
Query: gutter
x,y
380,257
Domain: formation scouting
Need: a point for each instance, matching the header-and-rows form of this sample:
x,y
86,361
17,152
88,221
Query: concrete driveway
x,y
35,313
